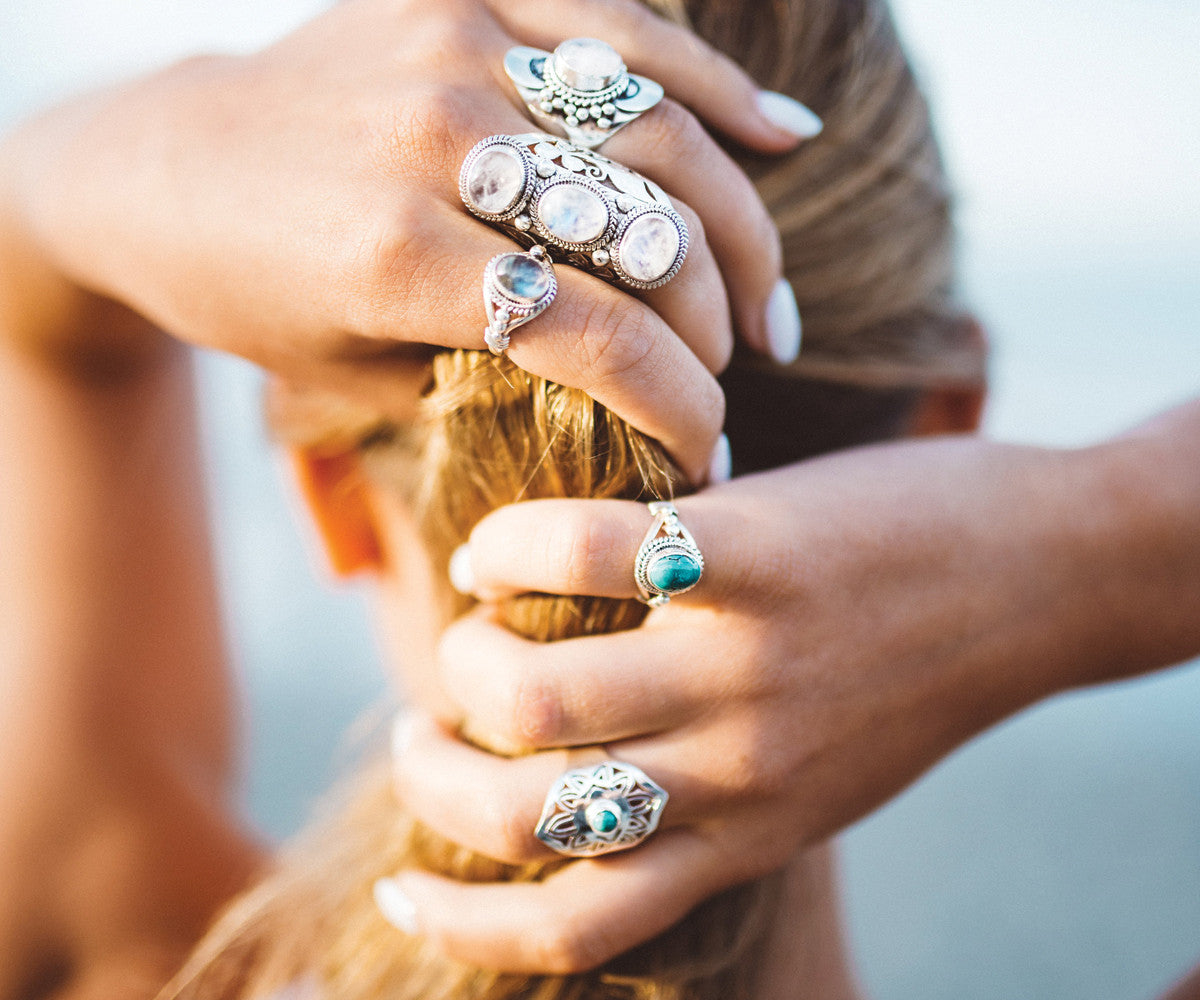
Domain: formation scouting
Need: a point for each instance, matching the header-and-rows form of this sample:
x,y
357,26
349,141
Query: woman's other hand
x,y
299,206
859,617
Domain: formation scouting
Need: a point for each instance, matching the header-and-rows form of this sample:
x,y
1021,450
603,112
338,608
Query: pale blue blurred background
x,y
1058,857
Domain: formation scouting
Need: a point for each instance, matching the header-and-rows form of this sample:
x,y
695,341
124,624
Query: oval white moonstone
x,y
523,279
572,213
587,63
496,180
649,247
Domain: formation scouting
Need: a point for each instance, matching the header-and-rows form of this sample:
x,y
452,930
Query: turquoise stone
x,y
605,822
522,277
672,572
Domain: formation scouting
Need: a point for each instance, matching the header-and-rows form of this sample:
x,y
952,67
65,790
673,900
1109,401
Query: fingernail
x,y
462,578
720,466
783,323
396,907
402,733
789,114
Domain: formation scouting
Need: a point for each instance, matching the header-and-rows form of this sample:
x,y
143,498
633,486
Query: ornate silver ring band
x,y
668,562
581,90
588,211
601,809
516,288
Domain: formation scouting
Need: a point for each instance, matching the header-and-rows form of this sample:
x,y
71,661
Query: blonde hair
x,y
864,214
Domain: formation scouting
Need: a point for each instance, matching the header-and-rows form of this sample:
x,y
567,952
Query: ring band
x,y
589,211
581,90
668,561
601,809
516,288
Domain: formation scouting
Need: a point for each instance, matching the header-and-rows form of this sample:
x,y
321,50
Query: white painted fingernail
x,y
783,324
789,114
720,466
396,907
462,578
402,733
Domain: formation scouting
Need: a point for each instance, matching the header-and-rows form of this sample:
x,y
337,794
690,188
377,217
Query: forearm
x,y
116,750
1139,571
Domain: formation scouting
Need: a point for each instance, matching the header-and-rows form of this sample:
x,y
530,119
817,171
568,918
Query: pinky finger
x,y
574,920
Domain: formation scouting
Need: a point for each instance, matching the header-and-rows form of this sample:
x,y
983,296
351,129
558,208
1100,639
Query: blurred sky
x,y
1059,856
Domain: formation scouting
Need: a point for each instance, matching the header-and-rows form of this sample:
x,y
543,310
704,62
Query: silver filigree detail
x,y
601,809
550,161
582,90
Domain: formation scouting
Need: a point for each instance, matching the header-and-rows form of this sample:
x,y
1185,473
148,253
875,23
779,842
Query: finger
x,y
695,303
689,69
436,773
588,547
670,146
593,337
573,920
518,696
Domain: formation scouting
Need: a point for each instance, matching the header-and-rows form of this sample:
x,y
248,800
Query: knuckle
x,y
389,259
678,130
616,339
623,20
429,125
564,944
514,841
577,543
535,714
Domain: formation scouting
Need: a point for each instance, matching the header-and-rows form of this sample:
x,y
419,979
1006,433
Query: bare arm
x,y
116,735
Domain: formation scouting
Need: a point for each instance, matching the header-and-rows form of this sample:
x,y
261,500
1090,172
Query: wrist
x,y
1146,575
47,312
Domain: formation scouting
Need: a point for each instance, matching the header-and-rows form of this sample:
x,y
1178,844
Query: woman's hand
x,y
859,617
299,207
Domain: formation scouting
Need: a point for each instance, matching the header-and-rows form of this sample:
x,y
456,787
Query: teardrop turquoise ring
x,y
668,562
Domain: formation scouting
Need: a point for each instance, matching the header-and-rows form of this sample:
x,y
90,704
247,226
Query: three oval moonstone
x,y
574,214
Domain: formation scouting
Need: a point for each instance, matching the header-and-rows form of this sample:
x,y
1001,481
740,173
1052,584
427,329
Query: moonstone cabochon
x,y
522,278
572,213
587,63
496,180
648,247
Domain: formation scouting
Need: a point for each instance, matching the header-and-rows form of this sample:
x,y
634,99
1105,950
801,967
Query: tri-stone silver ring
x,y
597,810
516,288
587,210
668,562
581,90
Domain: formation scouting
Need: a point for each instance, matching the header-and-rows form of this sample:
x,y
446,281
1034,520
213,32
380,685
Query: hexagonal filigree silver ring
x,y
581,90
601,809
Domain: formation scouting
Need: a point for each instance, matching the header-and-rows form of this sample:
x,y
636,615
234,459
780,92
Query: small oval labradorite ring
x,y
601,809
581,90
669,561
516,288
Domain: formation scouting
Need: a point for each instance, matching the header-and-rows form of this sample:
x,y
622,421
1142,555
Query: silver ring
x,y
581,90
516,288
601,809
589,211
668,562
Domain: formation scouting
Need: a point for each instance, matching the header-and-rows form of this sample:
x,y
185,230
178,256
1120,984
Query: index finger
x,y
592,337
588,547
690,70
